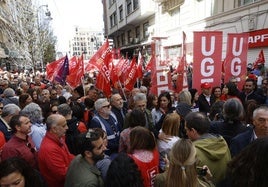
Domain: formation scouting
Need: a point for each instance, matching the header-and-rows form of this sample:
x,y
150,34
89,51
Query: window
x,y
113,20
145,30
118,41
135,4
129,36
129,7
121,13
138,33
123,39
245,2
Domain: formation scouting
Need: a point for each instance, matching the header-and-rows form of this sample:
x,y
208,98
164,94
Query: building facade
x,y
133,24
12,32
24,32
85,41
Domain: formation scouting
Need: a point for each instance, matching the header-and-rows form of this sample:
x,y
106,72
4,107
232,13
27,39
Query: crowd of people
x,y
55,136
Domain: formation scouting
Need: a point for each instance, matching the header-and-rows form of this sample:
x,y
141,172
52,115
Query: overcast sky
x,y
67,14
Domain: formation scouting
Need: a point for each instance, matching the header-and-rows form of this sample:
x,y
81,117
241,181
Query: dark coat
x,y
203,104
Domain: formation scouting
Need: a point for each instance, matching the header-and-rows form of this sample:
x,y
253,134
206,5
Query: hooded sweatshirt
x,y
213,151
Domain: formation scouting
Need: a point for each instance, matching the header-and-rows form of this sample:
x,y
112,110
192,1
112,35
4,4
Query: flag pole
x,y
120,84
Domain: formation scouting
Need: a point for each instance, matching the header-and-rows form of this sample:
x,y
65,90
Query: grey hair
x,y
10,109
185,97
143,89
139,97
233,110
52,120
98,104
9,92
255,112
34,113
64,109
113,97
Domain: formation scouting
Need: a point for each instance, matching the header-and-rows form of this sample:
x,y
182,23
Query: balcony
x,y
170,5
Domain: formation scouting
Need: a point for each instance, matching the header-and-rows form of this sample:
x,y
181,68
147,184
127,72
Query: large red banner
x,y
236,57
207,58
161,79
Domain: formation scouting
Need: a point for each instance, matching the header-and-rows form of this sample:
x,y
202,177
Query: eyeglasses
x,y
29,145
106,106
1,108
54,111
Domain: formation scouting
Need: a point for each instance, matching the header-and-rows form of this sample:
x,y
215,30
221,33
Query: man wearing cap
x,y
205,99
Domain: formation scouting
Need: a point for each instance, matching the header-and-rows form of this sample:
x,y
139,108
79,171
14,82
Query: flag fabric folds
x,y
58,70
260,60
150,63
51,67
62,71
76,67
131,75
102,61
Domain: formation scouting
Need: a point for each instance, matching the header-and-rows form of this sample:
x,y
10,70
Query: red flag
x,y
118,53
76,67
114,76
236,58
51,67
260,60
150,63
132,75
207,57
122,71
139,67
100,57
103,84
101,60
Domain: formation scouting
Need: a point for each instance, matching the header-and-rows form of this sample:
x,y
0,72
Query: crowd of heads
x,y
94,126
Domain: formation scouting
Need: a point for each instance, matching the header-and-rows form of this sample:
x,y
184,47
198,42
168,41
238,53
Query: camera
x,y
201,171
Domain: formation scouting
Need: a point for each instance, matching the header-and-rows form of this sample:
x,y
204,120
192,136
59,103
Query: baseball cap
x,y
206,85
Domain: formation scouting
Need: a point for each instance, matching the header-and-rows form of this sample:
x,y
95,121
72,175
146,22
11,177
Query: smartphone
x,y
201,171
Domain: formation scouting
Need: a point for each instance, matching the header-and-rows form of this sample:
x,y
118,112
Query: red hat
x,y
252,76
206,85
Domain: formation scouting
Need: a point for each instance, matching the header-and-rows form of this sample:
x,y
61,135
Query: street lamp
x,y
40,18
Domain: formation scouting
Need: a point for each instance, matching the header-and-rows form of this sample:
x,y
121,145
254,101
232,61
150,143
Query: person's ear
x,y
17,127
193,131
54,129
88,154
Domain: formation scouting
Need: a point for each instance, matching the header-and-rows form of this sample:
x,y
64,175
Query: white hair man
x,y
106,120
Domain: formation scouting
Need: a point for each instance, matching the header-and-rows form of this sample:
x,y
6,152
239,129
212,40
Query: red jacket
x,y
54,159
148,169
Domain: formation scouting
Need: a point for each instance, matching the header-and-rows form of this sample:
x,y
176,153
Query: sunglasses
x,y
29,145
106,106
54,111
1,108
